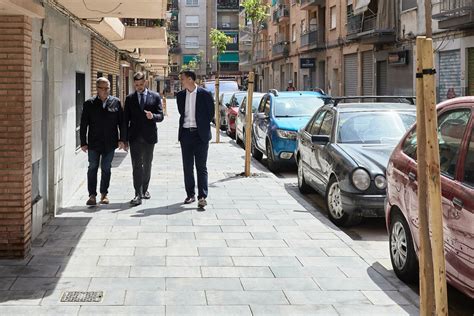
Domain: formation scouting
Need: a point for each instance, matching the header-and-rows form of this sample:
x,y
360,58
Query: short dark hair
x,y
189,73
138,76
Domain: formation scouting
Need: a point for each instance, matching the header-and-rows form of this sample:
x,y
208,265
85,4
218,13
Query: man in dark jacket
x,y
196,107
101,121
143,110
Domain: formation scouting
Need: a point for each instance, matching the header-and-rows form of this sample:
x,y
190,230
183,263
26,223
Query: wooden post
x,y
248,123
434,181
425,254
218,112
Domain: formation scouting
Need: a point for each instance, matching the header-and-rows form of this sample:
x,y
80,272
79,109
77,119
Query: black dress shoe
x,y
137,200
189,200
146,195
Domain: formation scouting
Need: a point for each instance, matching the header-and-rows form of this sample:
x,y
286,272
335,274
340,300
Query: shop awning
x,y
361,6
229,58
188,58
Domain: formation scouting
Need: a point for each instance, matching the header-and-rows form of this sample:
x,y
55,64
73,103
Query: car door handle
x,y
458,203
411,176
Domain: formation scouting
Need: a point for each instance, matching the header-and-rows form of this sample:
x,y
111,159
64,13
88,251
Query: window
x,y
451,127
326,126
192,3
80,98
333,17
314,130
192,21
261,107
469,163
191,42
408,4
267,107
293,33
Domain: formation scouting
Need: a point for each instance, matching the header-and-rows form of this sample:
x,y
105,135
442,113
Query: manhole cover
x,y
82,296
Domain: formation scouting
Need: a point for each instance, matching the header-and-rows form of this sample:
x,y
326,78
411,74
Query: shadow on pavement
x,y
164,210
39,277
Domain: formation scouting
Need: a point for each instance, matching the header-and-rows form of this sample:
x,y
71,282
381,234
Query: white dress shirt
x,y
190,109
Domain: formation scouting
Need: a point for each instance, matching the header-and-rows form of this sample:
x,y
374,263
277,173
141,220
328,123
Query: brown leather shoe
x,y
91,201
104,199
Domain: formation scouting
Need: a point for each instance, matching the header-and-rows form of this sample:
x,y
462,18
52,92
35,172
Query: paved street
x,y
259,248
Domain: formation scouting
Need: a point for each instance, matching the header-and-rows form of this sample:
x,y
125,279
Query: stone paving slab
x,y
259,248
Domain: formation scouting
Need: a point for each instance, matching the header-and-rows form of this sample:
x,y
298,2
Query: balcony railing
x,y
227,4
229,66
261,54
173,70
280,14
360,23
175,49
174,26
310,4
173,5
281,48
456,14
142,22
227,26
364,28
310,39
232,46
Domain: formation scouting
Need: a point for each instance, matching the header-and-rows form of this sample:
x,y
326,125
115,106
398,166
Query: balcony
x,y
174,26
173,70
281,49
455,14
175,50
144,9
281,14
142,22
142,37
311,39
227,5
261,55
311,4
232,47
363,27
173,5
229,67
227,26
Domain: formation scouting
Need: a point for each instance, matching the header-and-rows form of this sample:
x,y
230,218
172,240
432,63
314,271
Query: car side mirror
x,y
227,105
319,139
261,116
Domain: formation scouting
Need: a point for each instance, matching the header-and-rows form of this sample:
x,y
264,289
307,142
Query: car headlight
x,y
361,179
282,133
380,182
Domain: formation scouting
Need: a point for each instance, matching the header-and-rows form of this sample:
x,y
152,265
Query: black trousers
x,y
142,156
194,150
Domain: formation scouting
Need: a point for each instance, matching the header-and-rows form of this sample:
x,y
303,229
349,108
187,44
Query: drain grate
x,y
82,296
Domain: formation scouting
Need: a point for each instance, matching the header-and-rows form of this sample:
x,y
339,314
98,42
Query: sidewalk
x,y
258,249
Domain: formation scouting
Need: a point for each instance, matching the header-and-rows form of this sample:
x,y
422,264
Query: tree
x,y
219,41
257,13
194,63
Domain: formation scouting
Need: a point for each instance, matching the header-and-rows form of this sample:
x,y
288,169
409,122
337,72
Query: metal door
x,y
350,75
449,74
367,73
382,78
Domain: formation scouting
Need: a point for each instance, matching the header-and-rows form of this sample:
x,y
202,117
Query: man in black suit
x,y
142,111
196,108
101,120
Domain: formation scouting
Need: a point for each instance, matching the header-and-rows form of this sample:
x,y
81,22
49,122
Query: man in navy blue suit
x,y
196,109
142,111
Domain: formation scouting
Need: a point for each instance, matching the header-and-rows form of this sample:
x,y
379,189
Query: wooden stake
x,y
248,124
434,182
218,112
425,254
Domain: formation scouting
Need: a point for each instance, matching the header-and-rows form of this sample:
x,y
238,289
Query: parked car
x,y
224,86
241,119
224,99
456,150
343,151
278,118
232,109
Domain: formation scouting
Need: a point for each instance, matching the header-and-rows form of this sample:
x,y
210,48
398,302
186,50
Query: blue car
x,y
275,124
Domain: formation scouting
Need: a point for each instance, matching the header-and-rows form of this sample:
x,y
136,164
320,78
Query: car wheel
x,y
336,212
402,252
255,152
302,185
273,166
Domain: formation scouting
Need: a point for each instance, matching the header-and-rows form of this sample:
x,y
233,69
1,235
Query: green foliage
x,y
256,11
219,40
194,63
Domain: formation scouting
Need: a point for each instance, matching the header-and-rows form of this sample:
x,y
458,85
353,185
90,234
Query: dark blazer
x,y
135,120
204,112
100,127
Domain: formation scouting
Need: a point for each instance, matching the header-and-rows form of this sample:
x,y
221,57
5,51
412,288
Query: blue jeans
x,y
105,161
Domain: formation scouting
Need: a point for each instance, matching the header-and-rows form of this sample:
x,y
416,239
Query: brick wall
x,y
106,60
15,135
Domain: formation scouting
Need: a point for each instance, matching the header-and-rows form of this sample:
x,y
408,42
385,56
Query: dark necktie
x,y
142,101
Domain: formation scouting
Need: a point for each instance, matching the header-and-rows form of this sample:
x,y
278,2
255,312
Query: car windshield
x,y
226,98
239,97
224,86
373,127
297,106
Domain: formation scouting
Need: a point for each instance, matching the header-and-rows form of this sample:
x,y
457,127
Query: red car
x,y
456,148
233,111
